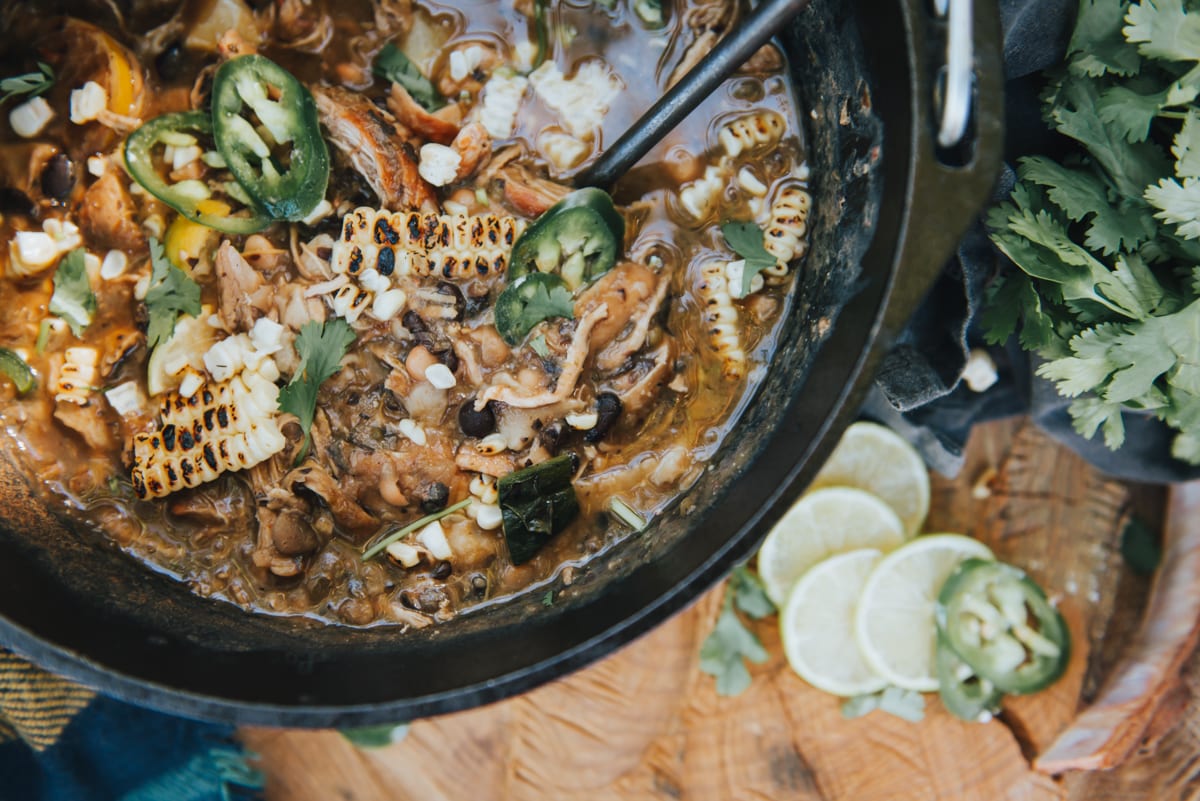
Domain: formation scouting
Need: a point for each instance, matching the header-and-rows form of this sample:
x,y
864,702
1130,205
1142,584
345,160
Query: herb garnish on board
x,y
1108,292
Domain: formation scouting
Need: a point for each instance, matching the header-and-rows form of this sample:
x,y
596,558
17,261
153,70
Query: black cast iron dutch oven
x,y
888,210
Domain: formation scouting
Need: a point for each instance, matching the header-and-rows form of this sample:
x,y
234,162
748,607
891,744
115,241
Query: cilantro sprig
x,y
171,292
73,299
1107,240
724,652
746,240
31,84
321,347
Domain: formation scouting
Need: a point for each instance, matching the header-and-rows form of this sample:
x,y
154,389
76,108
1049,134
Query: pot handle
x,y
958,132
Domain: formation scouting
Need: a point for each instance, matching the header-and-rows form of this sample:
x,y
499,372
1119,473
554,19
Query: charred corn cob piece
x,y
760,129
720,319
77,376
227,426
450,246
786,228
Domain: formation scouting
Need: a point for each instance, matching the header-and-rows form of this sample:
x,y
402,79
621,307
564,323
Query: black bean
x,y
434,496
476,423
413,322
460,302
552,437
608,410
448,357
58,177
442,570
172,62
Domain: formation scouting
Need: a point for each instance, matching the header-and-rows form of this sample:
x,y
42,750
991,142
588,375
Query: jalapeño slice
x,y
999,622
578,238
527,301
964,694
194,199
267,131
17,370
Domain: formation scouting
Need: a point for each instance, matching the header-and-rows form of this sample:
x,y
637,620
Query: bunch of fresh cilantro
x,y
1108,239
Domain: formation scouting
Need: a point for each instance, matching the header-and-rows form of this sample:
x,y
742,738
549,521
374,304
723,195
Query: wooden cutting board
x,y
647,724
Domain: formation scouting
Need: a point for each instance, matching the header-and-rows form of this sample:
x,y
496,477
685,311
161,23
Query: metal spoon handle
x,y
729,54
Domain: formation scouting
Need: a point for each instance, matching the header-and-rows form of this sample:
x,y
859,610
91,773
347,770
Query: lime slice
x,y
817,625
819,525
878,460
895,625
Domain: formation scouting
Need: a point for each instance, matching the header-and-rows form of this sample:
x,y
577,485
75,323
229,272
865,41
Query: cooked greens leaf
x,y
746,240
172,292
31,83
321,347
1140,547
73,299
393,65
537,502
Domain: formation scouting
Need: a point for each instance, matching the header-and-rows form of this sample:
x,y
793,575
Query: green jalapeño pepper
x,y
197,200
527,301
999,622
17,370
578,238
267,131
964,694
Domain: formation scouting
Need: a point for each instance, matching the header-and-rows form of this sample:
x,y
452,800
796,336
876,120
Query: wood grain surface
x,y
647,724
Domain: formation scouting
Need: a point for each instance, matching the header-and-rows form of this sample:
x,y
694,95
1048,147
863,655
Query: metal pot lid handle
x,y
954,84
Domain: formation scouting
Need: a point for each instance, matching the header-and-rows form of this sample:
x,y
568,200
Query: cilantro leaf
x,y
1178,204
1129,112
321,347
172,292
379,736
746,240
1097,45
1163,29
539,346
391,64
73,299
749,596
730,642
554,302
1186,147
31,83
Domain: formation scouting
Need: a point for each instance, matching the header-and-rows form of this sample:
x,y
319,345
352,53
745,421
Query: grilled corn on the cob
x,y
77,376
226,426
377,246
786,228
720,319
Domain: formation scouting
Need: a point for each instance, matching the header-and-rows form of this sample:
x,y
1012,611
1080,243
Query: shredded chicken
x,y
243,292
433,127
639,388
708,23
369,138
106,215
528,194
312,477
632,294
87,421
571,370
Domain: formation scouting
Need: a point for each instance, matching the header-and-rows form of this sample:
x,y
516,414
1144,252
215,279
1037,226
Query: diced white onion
x,y
387,304
266,335
434,540
36,248
440,376
404,553
191,383
583,421
87,102
114,265
750,182
319,212
980,371
97,165
31,117
489,517
413,431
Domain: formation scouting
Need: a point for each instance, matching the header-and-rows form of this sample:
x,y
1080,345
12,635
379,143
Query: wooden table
x,y
647,724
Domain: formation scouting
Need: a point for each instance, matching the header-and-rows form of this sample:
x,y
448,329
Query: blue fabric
x,y
113,751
